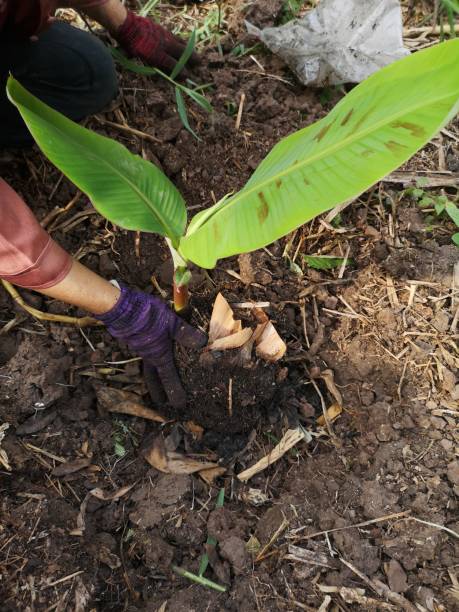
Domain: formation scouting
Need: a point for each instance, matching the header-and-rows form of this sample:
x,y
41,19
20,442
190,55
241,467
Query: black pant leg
x,y
69,69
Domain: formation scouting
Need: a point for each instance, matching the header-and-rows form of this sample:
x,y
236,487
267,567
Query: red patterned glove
x,y
142,38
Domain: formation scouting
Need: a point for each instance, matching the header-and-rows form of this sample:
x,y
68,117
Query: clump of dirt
x,y
211,395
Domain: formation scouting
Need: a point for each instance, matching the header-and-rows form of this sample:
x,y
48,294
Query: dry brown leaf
x,y
182,464
209,476
289,439
226,333
332,413
270,345
254,497
253,546
233,341
329,378
260,315
64,469
81,524
156,455
222,323
173,462
100,494
125,402
195,430
3,456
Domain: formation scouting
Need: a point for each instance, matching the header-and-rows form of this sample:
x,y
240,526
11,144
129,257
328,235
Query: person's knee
x,y
72,71
104,78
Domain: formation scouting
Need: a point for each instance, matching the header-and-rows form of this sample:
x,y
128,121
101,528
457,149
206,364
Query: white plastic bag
x,y
340,41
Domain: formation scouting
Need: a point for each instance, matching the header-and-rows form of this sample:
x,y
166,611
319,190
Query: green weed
x,y
122,436
449,11
437,207
290,10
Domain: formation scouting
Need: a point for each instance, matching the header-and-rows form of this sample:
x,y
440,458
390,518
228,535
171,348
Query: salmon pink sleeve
x,y
28,255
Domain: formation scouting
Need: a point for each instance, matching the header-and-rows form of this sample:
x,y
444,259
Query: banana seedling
x,y
374,129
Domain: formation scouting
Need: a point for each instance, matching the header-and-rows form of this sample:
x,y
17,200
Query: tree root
x,y
44,316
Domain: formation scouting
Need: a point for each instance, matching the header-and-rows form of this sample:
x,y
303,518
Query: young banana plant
x,y
378,126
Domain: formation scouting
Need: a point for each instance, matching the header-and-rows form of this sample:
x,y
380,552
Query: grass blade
x,y
452,4
198,98
199,579
148,7
130,64
324,262
210,540
133,66
180,65
182,112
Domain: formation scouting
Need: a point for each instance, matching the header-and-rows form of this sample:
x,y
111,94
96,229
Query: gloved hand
x,y
148,326
142,38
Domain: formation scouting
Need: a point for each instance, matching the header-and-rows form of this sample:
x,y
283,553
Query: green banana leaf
x,y
124,188
371,132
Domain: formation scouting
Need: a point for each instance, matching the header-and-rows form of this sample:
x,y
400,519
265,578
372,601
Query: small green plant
x,y
378,126
148,8
121,436
290,10
180,90
326,262
451,8
241,50
204,563
437,206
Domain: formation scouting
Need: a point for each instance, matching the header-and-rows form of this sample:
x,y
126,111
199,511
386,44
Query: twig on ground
x,y
303,318
436,31
331,433
69,577
43,316
382,519
230,397
436,525
56,212
381,589
282,527
240,111
344,263
429,179
290,438
127,129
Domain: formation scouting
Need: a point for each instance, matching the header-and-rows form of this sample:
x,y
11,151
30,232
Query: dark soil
x,y
394,447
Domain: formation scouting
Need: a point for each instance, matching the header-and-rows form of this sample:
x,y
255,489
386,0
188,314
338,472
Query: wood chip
x,y
104,496
171,462
270,345
332,413
222,322
124,402
289,440
64,469
311,557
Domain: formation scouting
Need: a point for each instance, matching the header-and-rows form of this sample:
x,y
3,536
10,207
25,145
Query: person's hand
x,y
142,38
149,328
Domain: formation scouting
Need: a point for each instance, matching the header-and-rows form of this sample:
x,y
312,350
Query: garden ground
x,y
371,501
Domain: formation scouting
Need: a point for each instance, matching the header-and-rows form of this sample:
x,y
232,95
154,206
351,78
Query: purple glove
x,y
148,326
